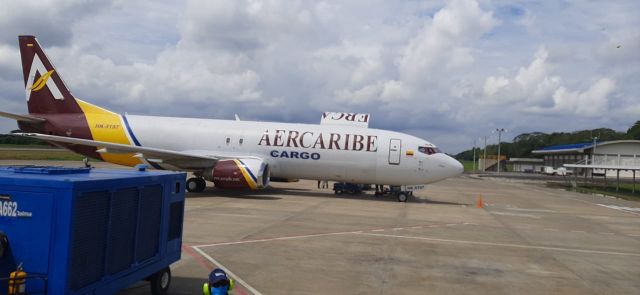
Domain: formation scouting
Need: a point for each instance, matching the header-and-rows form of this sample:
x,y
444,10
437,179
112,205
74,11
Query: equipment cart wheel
x,y
402,197
160,281
338,192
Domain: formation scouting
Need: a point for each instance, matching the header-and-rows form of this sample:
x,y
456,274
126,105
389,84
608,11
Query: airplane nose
x,y
456,167
451,167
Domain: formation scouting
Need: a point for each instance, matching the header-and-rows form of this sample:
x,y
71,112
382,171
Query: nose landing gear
x,y
402,196
395,191
196,184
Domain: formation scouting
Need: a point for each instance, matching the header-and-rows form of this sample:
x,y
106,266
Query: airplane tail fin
x,y
45,91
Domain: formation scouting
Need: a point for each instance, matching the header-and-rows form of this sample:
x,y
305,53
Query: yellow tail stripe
x,y
107,126
246,175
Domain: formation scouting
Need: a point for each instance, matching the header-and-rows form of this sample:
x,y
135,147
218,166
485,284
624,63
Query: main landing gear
x,y
196,184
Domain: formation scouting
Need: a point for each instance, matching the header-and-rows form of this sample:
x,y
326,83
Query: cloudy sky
x,y
447,71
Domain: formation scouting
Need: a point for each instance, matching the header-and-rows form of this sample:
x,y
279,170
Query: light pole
x,y
474,155
484,160
593,151
499,130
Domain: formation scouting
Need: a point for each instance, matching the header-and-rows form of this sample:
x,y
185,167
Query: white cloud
x,y
535,89
531,85
50,19
495,85
387,92
591,102
632,111
432,69
440,39
436,49
395,90
9,65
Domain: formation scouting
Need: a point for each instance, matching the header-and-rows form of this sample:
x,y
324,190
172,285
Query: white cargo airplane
x,y
231,154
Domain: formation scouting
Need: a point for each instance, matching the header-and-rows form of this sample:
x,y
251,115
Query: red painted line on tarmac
x,y
237,290
201,260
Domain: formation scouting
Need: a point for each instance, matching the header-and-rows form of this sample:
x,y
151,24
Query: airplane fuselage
x,y
306,151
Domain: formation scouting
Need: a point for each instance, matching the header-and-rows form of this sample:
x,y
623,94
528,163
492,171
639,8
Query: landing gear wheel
x,y
402,197
160,281
201,184
196,184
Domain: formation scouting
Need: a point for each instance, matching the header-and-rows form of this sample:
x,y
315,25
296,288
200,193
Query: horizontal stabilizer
x,y
22,118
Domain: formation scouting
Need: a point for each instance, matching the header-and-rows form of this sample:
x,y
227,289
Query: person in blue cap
x,y
219,283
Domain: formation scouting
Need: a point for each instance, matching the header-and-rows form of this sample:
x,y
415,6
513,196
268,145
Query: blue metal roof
x,y
567,146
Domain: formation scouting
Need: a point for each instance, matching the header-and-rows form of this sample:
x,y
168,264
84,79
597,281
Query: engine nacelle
x,y
239,173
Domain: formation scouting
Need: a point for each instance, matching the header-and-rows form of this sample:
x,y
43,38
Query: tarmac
x,y
293,238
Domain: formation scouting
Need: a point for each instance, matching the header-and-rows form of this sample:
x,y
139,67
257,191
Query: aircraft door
x,y
394,151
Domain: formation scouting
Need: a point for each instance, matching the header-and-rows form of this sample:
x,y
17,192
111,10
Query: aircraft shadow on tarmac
x,y
264,194
366,195
268,195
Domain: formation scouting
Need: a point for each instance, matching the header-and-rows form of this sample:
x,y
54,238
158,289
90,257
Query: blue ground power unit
x,y
88,231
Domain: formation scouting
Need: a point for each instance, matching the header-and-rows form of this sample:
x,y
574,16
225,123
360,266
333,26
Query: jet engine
x,y
239,173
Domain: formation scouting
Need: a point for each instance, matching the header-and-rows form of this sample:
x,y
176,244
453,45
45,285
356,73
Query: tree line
x,y
20,140
523,144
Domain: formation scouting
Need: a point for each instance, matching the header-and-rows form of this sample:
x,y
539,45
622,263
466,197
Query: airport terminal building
x,y
621,155
527,165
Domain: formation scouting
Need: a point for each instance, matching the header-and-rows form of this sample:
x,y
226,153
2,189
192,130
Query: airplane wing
x,y
187,160
24,118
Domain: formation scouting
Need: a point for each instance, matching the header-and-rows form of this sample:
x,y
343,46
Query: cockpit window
x,y
429,150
